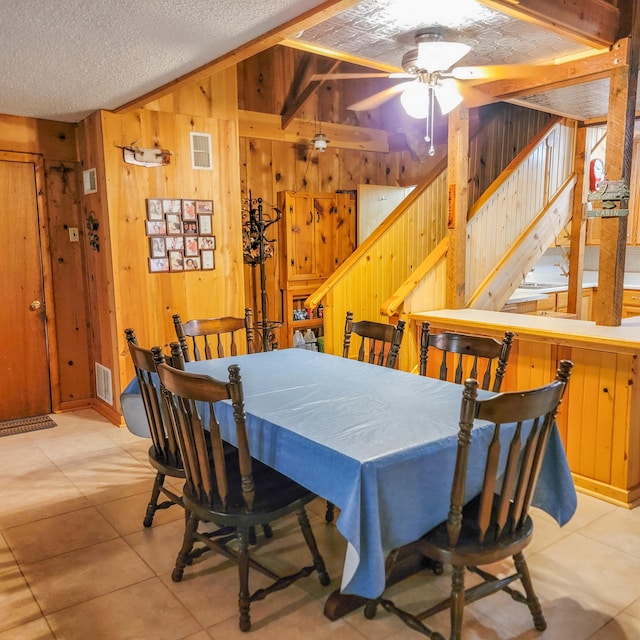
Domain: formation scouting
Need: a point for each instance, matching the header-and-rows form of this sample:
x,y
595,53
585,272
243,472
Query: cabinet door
x,y
345,228
325,215
300,230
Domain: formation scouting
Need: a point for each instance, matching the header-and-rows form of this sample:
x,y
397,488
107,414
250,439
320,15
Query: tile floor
x,y
76,562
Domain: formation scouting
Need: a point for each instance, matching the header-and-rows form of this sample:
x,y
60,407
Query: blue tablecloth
x,y
378,443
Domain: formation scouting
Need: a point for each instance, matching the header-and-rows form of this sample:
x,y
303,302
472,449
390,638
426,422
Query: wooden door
x,y
24,359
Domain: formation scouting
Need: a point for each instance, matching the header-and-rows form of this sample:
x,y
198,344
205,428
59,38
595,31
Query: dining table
x,y
378,443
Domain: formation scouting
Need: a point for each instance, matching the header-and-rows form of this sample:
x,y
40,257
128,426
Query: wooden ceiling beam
x,y
565,74
309,18
266,126
595,23
292,110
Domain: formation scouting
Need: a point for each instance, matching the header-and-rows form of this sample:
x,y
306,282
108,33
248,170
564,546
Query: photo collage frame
x,y
180,235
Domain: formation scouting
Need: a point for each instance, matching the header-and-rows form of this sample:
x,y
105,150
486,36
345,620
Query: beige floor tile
x,y
209,588
34,630
59,534
291,614
624,627
620,529
78,576
73,447
580,565
7,559
21,454
127,514
36,492
17,604
146,610
159,545
108,475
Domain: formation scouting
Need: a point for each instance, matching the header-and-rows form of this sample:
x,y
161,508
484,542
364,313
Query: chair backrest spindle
x,y
478,357
379,342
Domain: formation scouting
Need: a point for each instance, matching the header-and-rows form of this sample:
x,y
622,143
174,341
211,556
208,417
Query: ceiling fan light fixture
x,y
447,96
415,100
436,55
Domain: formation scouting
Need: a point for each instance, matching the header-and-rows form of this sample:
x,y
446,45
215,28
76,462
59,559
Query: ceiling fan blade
x,y
499,71
471,96
349,76
378,98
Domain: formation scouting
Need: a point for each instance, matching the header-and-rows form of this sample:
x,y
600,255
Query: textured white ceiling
x,y
64,60
61,60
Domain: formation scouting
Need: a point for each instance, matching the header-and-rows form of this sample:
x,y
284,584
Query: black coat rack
x,y
256,249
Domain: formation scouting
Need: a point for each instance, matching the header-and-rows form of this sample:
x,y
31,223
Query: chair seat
x,y
468,551
158,460
275,495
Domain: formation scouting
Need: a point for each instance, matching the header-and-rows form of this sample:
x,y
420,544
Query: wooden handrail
x,y
507,172
391,304
314,299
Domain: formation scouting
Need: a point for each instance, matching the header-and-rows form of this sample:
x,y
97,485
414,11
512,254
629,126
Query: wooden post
x,y
613,236
578,229
457,178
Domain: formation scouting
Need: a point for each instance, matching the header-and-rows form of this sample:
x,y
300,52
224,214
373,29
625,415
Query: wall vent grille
x,y
104,390
201,156
90,181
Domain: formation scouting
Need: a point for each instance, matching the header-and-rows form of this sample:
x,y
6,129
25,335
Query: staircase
x,y
402,267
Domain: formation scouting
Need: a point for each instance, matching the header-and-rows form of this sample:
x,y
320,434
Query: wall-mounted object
x,y
89,181
610,200
596,173
180,235
201,154
146,157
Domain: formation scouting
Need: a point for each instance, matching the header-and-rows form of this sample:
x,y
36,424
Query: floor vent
x,y
104,390
201,151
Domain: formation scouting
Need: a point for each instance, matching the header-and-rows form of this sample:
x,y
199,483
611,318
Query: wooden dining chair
x,y
234,492
205,338
164,454
378,342
495,525
465,356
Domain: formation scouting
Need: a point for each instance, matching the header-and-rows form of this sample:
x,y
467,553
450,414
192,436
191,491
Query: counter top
x,y
554,282
625,337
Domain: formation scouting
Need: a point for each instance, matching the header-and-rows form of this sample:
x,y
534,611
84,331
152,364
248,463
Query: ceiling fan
x,y
431,79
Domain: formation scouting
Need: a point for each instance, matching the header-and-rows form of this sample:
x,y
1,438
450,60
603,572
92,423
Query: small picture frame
x,y
176,261
208,261
191,246
192,264
190,227
158,265
204,224
155,227
157,247
154,209
204,206
188,209
174,243
174,224
206,242
172,206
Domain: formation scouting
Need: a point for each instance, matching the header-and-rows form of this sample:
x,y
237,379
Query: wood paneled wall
x,y
124,293
56,143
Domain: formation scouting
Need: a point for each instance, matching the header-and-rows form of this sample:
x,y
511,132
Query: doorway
x,y
24,353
